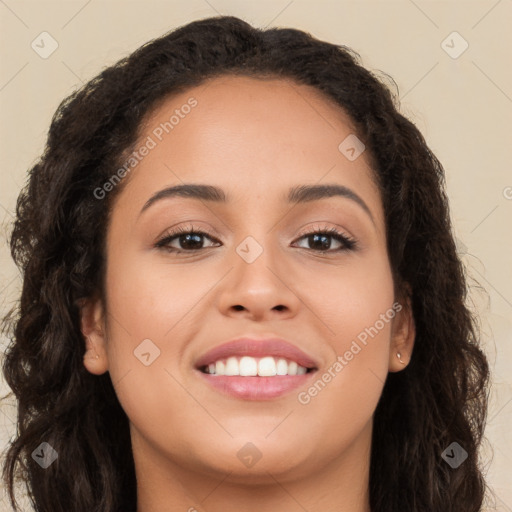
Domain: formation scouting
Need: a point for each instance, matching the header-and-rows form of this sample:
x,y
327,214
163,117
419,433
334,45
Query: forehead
x,y
256,137
236,105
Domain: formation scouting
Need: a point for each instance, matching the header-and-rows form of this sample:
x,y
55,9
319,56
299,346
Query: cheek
x,y
152,300
356,311
349,297
152,316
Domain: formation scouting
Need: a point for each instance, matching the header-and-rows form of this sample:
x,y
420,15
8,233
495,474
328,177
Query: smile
x,y
247,366
256,369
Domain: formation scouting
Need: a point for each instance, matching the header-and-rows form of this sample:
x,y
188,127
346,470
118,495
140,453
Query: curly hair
x,y
58,242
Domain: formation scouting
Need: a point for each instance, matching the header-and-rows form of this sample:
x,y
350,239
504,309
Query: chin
x,y
257,461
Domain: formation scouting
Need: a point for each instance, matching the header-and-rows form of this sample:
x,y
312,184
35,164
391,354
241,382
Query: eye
x,y
320,237
188,239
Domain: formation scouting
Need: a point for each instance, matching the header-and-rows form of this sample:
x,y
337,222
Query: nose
x,y
259,289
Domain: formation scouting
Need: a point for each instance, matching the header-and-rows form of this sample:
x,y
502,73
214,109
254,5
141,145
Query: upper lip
x,y
254,347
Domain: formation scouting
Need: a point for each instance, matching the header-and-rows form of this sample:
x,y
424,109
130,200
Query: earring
x,y
400,357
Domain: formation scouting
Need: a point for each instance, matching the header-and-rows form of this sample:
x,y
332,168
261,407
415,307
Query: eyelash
x,y
349,244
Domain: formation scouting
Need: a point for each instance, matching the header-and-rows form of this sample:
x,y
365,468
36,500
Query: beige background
x,y
462,105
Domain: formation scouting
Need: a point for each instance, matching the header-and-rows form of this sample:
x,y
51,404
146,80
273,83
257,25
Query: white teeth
x,y
232,367
267,367
247,366
282,367
220,368
301,370
292,368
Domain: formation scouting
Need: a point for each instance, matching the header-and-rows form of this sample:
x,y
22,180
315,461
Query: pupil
x,y
188,237
326,243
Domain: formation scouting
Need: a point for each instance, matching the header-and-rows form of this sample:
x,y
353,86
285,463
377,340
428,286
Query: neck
x,y
342,485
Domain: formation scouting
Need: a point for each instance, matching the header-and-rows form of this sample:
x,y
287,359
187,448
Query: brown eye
x,y
186,239
320,240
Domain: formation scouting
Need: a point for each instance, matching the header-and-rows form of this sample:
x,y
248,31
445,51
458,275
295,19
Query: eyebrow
x,y
296,195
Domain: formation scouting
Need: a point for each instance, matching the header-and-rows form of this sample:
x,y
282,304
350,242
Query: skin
x,y
254,139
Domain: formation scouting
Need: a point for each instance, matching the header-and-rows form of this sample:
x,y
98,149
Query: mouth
x,y
253,369
247,366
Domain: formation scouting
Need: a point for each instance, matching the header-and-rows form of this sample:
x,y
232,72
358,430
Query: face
x,y
256,270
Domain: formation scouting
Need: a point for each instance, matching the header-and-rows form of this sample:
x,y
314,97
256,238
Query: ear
x,y
403,333
92,325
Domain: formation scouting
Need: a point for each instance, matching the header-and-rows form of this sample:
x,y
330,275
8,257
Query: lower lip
x,y
256,388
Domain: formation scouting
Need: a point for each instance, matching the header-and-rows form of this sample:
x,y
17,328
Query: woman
x,y
241,291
